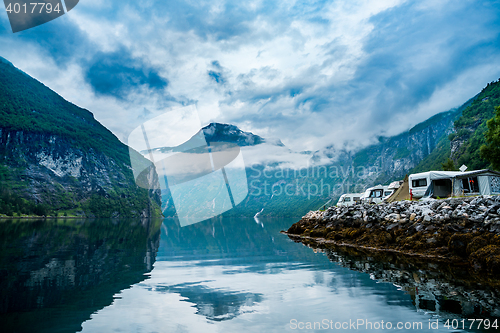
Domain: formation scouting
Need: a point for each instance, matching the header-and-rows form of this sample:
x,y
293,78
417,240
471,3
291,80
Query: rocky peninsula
x,y
462,230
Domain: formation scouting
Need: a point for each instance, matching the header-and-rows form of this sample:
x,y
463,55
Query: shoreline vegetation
x,y
465,231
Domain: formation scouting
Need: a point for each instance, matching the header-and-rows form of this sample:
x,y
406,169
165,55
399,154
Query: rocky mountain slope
x,y
393,157
215,132
56,159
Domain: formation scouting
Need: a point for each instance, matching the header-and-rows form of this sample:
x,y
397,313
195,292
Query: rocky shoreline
x,y
462,230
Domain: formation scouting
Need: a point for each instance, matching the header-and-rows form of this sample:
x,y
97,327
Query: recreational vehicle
x,y
349,199
376,194
444,184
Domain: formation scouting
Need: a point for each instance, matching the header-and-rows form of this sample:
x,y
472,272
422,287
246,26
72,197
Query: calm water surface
x,y
225,275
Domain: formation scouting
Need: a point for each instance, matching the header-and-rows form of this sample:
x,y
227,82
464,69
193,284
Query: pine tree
x,y
449,165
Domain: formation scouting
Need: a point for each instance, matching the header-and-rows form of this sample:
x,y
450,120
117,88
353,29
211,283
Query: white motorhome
x,y
453,183
376,194
420,182
349,199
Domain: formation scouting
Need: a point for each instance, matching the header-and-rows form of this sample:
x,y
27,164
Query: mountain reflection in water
x,y
212,303
222,275
55,274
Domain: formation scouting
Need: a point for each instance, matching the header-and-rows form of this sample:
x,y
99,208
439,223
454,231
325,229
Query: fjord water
x,y
222,275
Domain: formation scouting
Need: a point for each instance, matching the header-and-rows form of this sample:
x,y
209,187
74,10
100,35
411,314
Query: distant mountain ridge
x,y
217,132
55,158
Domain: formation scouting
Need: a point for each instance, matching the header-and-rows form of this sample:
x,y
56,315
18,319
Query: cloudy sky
x,y
310,73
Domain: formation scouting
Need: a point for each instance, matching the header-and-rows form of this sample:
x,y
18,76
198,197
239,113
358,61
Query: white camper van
x,y
376,194
420,182
349,199
443,184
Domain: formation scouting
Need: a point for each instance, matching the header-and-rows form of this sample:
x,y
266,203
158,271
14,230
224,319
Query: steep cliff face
x,y
55,158
402,153
393,157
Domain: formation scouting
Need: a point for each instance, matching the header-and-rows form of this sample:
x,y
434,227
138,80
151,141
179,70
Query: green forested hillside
x,y
28,105
56,159
467,136
471,126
